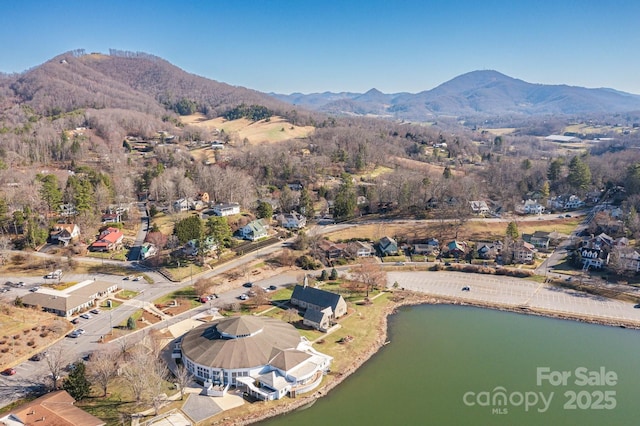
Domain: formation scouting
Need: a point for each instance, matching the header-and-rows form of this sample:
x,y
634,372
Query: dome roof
x,y
239,342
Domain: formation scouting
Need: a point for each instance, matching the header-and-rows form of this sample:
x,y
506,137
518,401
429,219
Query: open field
x,y
274,130
431,169
470,231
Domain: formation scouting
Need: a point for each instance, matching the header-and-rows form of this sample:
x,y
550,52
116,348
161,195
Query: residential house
x,y
489,250
52,409
67,210
594,251
479,207
148,250
293,220
360,249
625,259
387,246
109,240
565,202
226,209
64,233
316,299
332,250
539,239
181,205
456,249
111,218
254,230
532,207
523,252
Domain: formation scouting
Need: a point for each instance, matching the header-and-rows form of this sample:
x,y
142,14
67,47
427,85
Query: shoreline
x,y
406,298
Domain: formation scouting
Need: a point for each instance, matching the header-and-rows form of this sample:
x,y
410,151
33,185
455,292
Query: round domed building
x,y
265,357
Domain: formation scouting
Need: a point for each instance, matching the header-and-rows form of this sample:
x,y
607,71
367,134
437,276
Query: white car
x,y
86,316
243,297
138,278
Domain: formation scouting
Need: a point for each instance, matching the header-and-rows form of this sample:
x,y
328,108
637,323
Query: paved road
x,y
514,292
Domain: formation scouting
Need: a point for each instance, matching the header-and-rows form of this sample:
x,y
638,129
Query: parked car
x,y
138,278
86,315
637,306
248,285
567,215
95,311
129,277
465,288
34,289
243,297
75,321
39,356
273,287
9,371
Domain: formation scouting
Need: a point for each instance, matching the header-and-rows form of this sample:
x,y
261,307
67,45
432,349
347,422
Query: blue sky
x,y
313,46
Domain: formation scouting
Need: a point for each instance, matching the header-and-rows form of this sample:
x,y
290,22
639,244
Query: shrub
x,y
44,334
31,343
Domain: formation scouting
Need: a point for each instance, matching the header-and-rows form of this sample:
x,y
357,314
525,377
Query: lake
x,y
452,365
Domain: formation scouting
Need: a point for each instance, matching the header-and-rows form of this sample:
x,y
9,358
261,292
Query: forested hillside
x,y
94,130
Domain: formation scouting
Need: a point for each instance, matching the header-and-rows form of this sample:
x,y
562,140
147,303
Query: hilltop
x,y
474,93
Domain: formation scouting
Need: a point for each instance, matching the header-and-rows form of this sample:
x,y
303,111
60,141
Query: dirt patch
x,y
24,332
183,305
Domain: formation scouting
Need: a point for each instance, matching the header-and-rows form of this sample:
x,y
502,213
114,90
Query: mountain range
x,y
151,85
471,94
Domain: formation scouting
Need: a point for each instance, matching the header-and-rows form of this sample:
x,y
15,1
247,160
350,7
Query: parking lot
x,y
516,293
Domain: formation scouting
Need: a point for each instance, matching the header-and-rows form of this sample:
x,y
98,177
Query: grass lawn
x,y
116,255
127,294
391,259
61,286
183,293
114,304
182,272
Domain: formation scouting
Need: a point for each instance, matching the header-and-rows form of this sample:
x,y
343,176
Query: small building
x,y
479,207
254,230
489,250
387,246
332,250
64,233
360,249
456,249
109,240
52,409
148,250
306,297
226,209
293,220
562,138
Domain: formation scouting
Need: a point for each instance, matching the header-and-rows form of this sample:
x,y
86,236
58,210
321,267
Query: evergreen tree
x,y
346,200
579,174
447,173
264,210
218,228
131,323
323,275
76,383
554,172
512,230
188,229
50,192
334,274
306,204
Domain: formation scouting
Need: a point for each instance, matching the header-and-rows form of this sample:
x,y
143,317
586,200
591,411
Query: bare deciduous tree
x,y
370,274
56,360
183,378
102,367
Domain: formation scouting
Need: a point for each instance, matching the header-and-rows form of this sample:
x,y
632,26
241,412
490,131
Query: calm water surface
x,y
451,365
